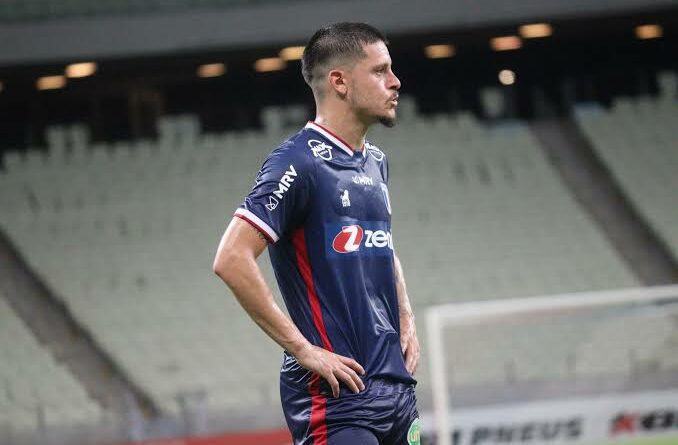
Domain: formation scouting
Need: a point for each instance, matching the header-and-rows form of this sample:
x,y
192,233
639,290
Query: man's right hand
x,y
332,367
236,264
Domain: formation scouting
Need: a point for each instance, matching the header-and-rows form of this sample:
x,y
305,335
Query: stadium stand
x,y
125,234
104,226
636,139
35,388
502,225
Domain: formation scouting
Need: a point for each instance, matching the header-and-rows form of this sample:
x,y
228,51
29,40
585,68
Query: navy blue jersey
x,y
326,213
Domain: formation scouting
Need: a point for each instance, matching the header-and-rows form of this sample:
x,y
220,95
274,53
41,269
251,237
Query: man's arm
x,y
408,331
235,263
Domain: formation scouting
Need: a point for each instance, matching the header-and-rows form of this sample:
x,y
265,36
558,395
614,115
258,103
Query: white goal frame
x,y
439,317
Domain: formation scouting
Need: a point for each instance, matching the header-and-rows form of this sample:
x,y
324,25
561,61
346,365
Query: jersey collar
x,y
336,140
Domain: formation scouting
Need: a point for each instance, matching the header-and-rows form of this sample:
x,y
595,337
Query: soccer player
x,y
321,204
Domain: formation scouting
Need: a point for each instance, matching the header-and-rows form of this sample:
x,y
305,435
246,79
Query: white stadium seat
x,y
479,213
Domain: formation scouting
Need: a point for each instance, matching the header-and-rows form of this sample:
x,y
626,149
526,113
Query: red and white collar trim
x,y
336,140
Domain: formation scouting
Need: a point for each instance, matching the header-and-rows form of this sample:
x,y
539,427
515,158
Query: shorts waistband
x,y
385,387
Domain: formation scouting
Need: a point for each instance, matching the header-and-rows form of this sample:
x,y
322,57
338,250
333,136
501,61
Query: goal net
x,y
586,368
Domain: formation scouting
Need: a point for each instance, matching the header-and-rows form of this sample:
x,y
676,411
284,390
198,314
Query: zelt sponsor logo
x,y
349,239
353,237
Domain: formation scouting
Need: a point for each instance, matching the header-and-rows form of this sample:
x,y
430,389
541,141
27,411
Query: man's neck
x,y
346,126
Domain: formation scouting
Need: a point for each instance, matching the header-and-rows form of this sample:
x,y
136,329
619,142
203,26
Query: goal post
x,y
441,318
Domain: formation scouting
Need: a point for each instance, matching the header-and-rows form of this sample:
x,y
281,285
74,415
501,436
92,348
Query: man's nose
x,y
395,82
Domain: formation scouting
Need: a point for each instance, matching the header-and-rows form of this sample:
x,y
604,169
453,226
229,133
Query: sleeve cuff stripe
x,y
257,223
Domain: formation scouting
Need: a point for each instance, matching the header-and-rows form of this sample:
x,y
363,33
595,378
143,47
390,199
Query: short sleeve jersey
x,y
326,213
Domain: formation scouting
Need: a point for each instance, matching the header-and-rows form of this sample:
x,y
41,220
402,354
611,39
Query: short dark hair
x,y
338,40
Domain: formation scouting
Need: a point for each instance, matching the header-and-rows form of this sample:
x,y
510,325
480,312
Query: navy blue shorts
x,y
385,413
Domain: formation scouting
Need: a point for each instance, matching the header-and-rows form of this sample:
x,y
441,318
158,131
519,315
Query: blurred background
x,y
536,154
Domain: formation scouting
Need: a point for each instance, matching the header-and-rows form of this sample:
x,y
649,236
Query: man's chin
x,y
387,121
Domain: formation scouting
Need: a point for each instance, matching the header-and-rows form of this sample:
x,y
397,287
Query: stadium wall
x,y
629,419
272,23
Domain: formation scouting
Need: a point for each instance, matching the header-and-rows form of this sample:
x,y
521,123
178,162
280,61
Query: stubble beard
x,y
387,121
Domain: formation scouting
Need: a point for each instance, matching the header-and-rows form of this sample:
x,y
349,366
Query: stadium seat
x,y
636,140
141,222
33,381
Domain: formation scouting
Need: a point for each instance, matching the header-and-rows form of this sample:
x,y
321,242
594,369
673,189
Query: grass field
x,y
654,441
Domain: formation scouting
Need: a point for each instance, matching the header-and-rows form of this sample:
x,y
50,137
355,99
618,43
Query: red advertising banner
x,y
274,437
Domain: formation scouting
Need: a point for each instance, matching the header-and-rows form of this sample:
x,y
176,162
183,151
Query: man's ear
x,y
337,79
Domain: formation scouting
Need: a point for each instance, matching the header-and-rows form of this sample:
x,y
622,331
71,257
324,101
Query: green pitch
x,y
654,441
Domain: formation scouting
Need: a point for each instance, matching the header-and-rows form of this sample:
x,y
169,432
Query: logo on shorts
x,y
414,433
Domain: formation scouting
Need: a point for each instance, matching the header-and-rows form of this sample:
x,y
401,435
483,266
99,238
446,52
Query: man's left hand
x,y
409,342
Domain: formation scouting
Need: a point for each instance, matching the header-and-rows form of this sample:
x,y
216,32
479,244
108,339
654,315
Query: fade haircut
x,y
336,43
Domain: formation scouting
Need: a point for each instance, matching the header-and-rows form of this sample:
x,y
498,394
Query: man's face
x,y
373,88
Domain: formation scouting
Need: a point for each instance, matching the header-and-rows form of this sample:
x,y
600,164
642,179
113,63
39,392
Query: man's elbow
x,y
217,267
223,264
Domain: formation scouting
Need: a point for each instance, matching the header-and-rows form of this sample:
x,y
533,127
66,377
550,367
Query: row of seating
x,y
34,387
636,139
129,248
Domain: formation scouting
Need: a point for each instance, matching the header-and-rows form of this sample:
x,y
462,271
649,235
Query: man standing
x,y
321,203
